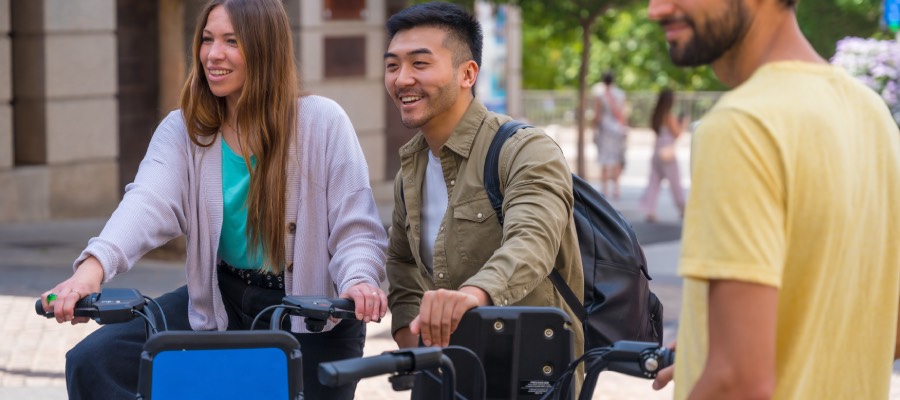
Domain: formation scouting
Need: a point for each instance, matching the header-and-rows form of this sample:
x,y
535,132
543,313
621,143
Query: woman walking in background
x,y
663,164
610,122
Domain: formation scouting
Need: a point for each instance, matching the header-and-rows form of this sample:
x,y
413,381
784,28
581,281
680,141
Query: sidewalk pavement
x,y
36,256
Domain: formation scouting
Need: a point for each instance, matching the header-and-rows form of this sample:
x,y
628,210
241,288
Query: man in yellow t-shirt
x,y
790,252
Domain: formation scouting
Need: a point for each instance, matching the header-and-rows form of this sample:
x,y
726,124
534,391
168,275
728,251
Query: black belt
x,y
255,277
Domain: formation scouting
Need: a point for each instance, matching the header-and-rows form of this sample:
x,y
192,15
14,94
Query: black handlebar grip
x,y
666,357
343,308
343,304
337,373
81,305
39,308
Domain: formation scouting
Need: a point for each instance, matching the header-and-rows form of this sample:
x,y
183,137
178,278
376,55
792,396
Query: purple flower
x,y
876,63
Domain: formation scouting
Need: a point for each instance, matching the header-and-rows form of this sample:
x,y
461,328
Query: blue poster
x,y
491,84
892,14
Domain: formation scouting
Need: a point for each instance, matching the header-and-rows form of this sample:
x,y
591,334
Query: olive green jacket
x,y
510,262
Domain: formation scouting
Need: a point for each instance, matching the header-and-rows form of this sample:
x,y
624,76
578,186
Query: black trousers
x,y
106,364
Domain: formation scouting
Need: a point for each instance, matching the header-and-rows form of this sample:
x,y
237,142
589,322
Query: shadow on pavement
x,y
656,232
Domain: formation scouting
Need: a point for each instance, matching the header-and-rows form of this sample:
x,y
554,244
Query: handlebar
x,y
315,310
110,306
640,359
404,361
321,308
114,305
342,372
82,307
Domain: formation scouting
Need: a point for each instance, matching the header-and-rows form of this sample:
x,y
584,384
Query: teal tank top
x,y
234,248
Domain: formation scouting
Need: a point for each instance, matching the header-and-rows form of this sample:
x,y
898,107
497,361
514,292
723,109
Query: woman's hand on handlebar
x,y
83,282
371,302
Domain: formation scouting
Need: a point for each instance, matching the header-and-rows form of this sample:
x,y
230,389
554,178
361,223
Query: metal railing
x,y
546,107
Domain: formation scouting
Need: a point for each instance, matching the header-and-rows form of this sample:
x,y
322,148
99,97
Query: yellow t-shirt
x,y
796,184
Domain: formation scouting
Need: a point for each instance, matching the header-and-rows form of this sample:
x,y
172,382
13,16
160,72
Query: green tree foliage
x,y
582,17
635,47
570,43
622,40
565,18
625,41
824,22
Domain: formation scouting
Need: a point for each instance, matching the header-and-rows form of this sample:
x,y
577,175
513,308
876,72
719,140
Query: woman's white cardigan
x,y
334,237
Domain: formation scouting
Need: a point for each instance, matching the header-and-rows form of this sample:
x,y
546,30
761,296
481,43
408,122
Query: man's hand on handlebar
x,y
441,310
664,376
370,301
83,282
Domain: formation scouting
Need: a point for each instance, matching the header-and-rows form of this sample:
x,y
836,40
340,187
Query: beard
x,y
438,102
711,39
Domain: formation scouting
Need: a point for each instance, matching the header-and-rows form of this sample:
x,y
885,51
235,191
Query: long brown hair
x,y
663,107
266,113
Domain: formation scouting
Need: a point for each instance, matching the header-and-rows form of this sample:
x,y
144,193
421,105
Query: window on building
x,y
344,10
345,56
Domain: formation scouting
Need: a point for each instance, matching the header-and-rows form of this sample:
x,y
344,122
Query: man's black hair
x,y
460,25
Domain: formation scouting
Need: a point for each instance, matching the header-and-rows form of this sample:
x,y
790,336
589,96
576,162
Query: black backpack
x,y
618,303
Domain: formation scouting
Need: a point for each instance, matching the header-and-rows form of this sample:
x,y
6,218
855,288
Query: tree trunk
x,y
582,89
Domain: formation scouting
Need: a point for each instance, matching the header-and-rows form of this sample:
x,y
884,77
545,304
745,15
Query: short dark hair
x,y
459,24
607,77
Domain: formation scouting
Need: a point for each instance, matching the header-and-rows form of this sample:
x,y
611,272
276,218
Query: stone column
x,y
361,95
65,113
514,62
7,203
6,141
173,59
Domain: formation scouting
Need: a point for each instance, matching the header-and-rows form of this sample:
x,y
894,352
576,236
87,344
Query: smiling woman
x,y
221,57
266,185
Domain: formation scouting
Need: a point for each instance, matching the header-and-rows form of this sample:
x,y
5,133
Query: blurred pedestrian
x,y
611,133
789,253
664,163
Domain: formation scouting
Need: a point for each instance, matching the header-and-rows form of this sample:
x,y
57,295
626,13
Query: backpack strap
x,y
402,196
492,187
568,295
492,164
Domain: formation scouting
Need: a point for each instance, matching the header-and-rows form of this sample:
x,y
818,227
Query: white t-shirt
x,y
434,205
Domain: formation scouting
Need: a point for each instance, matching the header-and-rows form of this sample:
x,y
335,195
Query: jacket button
x,y
292,227
478,215
441,275
452,182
